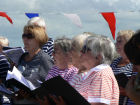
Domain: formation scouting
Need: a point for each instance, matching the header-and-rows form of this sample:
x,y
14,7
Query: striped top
x,y
4,66
66,74
48,47
98,85
127,70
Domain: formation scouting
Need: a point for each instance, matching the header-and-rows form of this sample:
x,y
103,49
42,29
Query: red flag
x,y
111,20
3,14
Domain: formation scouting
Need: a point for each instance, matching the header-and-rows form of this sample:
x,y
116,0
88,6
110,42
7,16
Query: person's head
x,y
132,51
77,45
33,37
3,42
97,50
38,21
62,48
123,37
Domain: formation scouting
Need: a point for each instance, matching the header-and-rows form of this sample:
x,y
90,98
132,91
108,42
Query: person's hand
x,y
24,94
43,101
58,100
21,94
17,96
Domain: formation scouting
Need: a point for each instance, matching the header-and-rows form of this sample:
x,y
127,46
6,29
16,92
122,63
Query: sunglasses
x,y
85,49
29,36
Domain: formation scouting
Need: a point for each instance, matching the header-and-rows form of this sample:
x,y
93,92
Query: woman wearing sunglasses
x,y
97,83
34,64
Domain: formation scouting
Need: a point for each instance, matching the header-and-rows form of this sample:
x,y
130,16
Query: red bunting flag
x,y
111,20
3,14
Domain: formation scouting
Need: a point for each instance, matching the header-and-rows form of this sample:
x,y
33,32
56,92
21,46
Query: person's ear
x,y
99,58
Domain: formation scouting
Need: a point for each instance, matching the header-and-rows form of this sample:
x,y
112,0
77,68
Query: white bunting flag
x,y
74,18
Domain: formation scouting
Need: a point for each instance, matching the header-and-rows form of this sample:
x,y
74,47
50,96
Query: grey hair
x,y
64,43
102,45
78,41
37,21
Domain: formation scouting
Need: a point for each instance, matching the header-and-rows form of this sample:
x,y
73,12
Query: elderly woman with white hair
x,y
97,84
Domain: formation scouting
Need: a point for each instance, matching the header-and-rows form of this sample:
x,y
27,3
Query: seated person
x,y
132,51
35,63
63,65
48,46
122,63
4,67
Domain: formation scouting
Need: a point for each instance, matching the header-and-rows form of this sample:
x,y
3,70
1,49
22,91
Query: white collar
x,y
97,68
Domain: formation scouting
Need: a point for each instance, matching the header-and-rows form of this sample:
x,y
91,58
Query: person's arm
x,y
45,66
101,91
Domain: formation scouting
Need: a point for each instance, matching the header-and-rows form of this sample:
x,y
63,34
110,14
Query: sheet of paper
x,y
15,73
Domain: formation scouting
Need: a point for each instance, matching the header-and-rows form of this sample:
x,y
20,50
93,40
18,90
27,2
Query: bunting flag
x,y
74,18
111,20
31,15
3,14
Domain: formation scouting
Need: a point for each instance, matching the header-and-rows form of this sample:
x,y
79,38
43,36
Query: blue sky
x,y
127,14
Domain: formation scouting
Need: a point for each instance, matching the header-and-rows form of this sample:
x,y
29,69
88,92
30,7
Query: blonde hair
x,y
4,41
127,34
78,41
38,33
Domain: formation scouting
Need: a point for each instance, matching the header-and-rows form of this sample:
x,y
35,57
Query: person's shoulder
x,y
2,57
44,56
51,40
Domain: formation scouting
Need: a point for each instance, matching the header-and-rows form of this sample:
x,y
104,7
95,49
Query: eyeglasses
x,y
29,36
85,49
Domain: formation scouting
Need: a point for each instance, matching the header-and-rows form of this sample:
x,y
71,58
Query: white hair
x,y
102,45
37,21
4,41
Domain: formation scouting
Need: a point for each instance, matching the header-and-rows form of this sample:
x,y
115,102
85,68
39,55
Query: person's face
x,y
30,44
59,56
88,60
76,57
120,42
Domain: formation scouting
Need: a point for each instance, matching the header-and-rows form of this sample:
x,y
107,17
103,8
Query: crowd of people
x,y
89,62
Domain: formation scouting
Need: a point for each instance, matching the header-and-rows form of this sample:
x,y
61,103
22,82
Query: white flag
x,y
74,18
